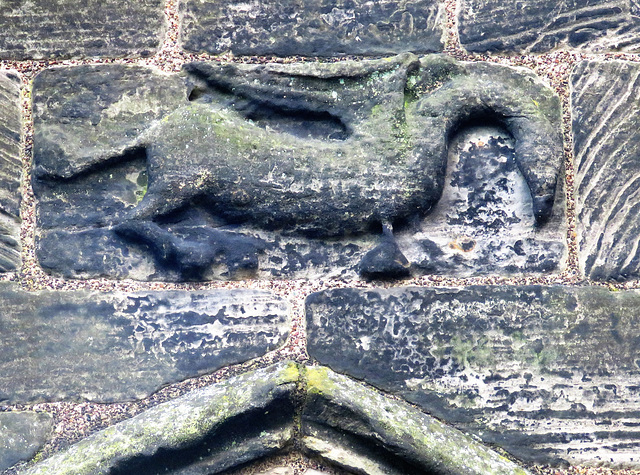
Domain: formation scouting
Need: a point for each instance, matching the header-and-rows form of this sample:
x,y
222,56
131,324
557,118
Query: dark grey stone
x,y
485,221
363,431
270,410
312,28
606,131
547,373
312,161
207,431
10,171
539,26
113,346
42,29
22,434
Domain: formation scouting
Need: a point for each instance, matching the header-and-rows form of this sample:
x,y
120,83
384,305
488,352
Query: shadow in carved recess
x,y
282,408
262,160
485,217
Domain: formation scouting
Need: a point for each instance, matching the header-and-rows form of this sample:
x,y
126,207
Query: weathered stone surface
x,y
10,171
538,26
257,414
115,346
485,221
606,130
318,28
279,471
21,435
547,373
89,114
41,29
207,431
361,430
311,162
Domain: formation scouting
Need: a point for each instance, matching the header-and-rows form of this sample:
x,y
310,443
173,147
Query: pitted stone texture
x,y
312,161
42,29
539,26
10,171
485,220
108,347
312,28
547,373
22,434
606,130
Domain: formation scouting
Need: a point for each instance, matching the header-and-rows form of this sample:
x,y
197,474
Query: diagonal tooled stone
x,y
10,171
43,29
539,26
605,127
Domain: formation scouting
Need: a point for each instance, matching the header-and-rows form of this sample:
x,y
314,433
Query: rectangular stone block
x,y
606,131
10,171
355,168
42,29
312,28
547,373
539,26
113,346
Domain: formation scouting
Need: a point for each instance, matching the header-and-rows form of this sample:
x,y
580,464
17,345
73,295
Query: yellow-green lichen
x,y
318,380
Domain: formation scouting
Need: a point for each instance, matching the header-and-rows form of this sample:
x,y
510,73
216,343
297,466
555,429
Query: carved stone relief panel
x,y
364,167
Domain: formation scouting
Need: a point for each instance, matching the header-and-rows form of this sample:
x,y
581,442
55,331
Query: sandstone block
x,y
43,29
312,28
109,347
540,26
10,171
606,120
547,373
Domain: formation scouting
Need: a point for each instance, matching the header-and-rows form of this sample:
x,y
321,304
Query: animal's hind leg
x,y
385,261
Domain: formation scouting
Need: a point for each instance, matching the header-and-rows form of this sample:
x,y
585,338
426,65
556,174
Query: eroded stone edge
x,y
22,434
176,423
401,428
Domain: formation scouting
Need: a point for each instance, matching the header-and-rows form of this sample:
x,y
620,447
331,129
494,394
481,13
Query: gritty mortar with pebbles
x,y
75,421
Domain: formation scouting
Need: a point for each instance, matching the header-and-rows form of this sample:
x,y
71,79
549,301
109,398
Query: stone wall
x,y
319,235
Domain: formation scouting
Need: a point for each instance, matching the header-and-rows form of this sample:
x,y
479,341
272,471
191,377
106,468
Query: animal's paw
x,y
192,250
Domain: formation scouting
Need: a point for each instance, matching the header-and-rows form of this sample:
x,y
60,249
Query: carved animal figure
x,y
329,150
382,158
